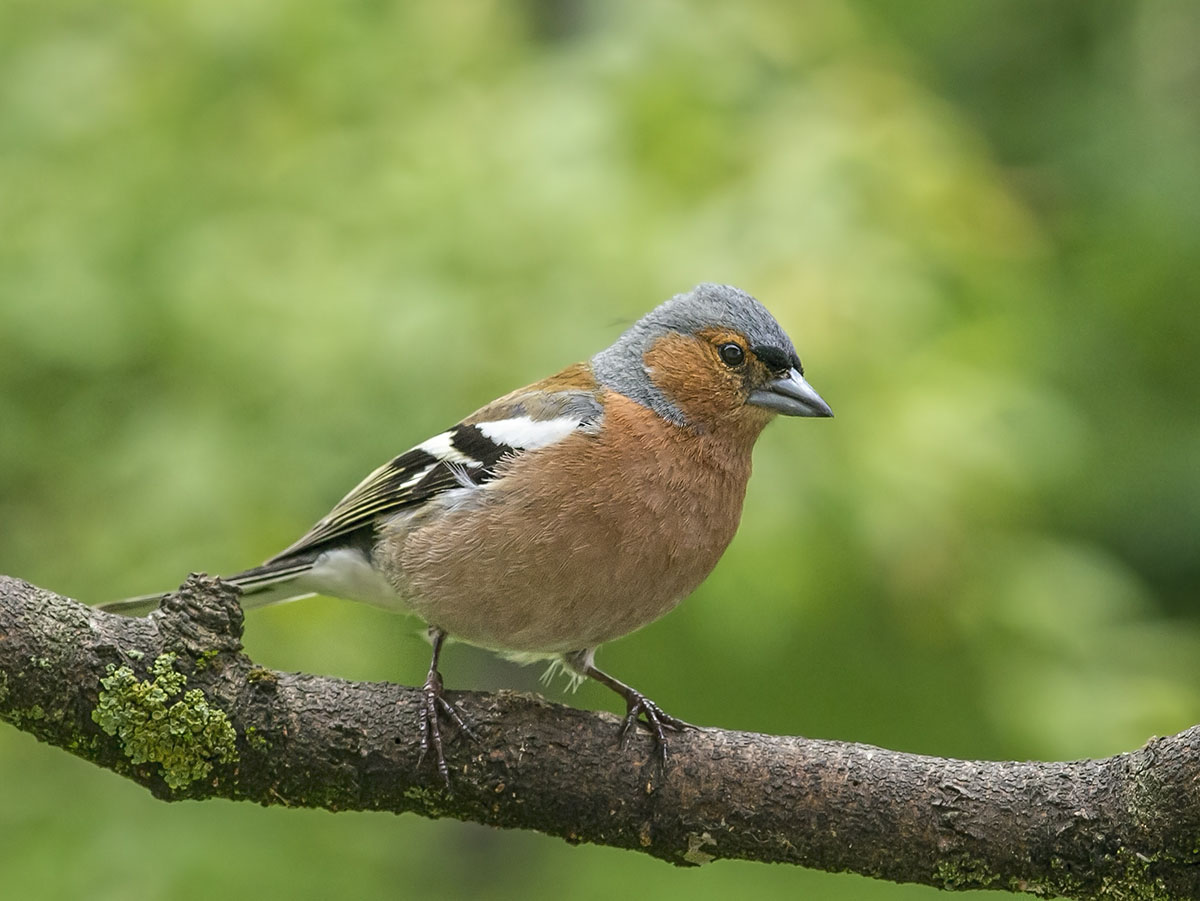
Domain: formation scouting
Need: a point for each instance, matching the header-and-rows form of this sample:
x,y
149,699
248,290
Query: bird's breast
x,y
580,542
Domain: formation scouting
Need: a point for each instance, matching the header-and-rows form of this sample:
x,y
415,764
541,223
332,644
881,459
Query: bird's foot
x,y
638,705
433,708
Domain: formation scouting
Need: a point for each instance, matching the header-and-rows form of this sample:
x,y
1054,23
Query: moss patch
x,y
260,674
963,873
184,738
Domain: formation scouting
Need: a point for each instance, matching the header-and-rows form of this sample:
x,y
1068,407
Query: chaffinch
x,y
569,512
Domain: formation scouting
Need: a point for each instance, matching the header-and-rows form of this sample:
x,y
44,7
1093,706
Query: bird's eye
x,y
731,354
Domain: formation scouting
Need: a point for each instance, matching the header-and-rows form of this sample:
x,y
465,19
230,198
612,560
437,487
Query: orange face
x,y
709,376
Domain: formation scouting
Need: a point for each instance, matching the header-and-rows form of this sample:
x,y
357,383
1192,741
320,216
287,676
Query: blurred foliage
x,y
252,250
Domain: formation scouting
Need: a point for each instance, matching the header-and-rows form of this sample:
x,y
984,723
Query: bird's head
x,y
708,359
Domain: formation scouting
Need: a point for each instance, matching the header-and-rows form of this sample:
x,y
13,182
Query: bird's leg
x,y
636,704
433,706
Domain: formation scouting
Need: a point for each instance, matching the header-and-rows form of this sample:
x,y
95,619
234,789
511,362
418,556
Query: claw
x,y
433,708
637,706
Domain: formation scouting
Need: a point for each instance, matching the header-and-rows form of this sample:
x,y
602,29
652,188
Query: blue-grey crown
x,y
621,367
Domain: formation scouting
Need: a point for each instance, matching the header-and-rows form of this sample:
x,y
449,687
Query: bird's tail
x,y
272,583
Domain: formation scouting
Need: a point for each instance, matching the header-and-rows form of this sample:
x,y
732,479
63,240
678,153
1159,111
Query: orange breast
x,y
579,542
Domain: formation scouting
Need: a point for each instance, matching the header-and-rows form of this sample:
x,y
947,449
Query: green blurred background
x,y
250,251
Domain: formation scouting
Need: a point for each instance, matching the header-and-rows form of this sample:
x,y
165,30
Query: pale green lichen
x,y
184,738
26,718
257,740
86,747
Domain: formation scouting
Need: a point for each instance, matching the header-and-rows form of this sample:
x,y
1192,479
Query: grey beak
x,y
791,396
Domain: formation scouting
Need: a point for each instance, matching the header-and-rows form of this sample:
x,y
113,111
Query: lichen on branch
x,y
185,738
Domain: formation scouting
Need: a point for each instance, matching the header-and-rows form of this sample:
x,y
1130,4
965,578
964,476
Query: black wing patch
x,y
471,442
409,480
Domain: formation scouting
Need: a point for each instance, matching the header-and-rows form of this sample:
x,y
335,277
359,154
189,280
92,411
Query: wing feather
x,y
467,454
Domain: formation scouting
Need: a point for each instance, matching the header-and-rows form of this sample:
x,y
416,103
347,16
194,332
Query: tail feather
x,y
271,583
138,606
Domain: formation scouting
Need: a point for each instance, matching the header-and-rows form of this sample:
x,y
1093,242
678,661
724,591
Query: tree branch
x,y
107,689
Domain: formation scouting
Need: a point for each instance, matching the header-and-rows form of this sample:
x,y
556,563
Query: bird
x,y
564,514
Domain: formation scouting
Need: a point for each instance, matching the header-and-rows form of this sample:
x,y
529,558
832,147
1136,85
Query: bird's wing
x,y
465,455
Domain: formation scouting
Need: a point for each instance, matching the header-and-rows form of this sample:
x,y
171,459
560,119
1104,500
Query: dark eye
x,y
731,354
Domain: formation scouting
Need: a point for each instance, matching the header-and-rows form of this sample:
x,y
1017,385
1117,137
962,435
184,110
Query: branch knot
x,y
204,615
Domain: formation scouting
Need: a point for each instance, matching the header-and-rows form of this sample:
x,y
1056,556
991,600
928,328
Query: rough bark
x,y
1124,827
